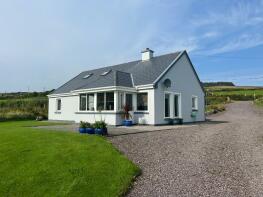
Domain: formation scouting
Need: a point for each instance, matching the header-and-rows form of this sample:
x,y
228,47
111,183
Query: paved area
x,y
120,130
223,157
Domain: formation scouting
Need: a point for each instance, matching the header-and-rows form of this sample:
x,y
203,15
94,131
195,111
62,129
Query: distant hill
x,y
220,83
21,95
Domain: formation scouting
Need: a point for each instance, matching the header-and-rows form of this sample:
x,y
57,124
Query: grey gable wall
x,y
184,81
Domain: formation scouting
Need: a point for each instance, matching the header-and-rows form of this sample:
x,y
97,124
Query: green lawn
x,y
37,162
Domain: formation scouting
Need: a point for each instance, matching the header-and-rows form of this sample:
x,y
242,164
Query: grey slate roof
x,y
141,72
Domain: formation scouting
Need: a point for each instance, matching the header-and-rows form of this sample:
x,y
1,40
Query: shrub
x,y
100,125
213,100
22,109
259,102
82,124
215,108
17,115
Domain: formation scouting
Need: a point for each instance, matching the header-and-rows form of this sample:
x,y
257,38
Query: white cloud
x,y
241,42
242,13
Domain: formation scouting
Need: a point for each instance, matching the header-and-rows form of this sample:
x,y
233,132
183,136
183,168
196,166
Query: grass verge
x,y
37,163
259,102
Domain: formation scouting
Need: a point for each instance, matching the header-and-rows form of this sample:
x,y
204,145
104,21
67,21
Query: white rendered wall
x,y
70,112
184,82
145,117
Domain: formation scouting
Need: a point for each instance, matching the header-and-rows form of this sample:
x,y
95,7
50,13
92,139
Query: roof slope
x,y
128,74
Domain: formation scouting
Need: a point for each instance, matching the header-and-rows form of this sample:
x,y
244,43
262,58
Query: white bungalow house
x,y
159,90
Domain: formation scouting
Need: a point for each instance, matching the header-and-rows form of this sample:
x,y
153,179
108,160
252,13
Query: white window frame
x,y
104,95
170,112
87,103
136,109
179,105
58,99
195,108
172,97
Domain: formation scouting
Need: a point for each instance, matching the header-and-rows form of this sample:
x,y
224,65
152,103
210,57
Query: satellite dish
x,y
167,83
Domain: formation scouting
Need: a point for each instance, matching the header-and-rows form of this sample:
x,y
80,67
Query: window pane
x,y
83,102
167,105
100,101
109,101
176,104
90,98
193,102
59,104
129,101
142,101
120,100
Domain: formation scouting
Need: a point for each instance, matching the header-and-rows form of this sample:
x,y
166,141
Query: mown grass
x,y
36,162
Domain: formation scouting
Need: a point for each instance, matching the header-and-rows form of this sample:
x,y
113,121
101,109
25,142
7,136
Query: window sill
x,y
194,109
141,112
57,112
96,112
174,118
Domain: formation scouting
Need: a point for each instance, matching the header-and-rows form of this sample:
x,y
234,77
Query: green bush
x,y
100,125
23,109
213,100
240,97
215,108
16,115
259,102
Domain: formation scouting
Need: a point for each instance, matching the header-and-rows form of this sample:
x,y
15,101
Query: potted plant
x,y
82,127
100,127
89,128
127,116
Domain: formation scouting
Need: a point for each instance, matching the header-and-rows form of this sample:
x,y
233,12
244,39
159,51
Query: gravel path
x,y
223,157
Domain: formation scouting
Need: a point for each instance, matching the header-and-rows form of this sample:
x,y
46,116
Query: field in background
x,y
29,106
23,105
218,96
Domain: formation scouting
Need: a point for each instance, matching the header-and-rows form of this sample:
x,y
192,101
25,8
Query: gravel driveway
x,y
223,157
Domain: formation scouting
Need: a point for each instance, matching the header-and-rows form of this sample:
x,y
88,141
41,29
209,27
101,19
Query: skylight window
x,y
105,73
87,76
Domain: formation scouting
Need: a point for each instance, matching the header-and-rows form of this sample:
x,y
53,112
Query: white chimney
x,y
147,54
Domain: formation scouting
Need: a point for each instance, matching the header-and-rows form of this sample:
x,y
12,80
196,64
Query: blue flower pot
x,y
101,131
82,130
127,123
90,130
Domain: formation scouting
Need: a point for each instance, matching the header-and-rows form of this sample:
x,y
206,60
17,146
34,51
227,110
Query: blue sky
x,y
45,43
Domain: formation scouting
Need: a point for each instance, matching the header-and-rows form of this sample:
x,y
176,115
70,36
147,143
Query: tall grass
x,y
259,102
24,108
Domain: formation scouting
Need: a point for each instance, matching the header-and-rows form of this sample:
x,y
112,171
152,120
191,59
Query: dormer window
x,y
87,76
105,73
